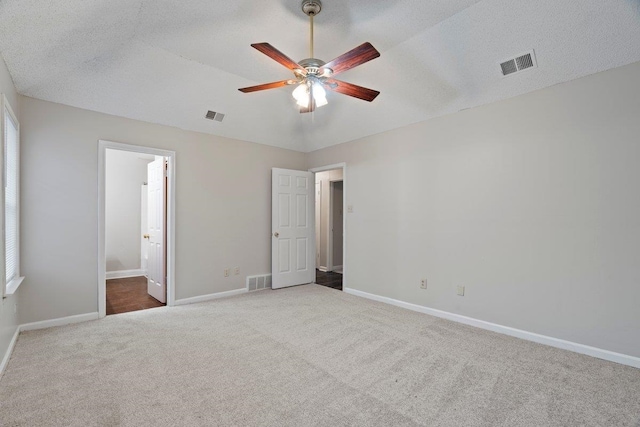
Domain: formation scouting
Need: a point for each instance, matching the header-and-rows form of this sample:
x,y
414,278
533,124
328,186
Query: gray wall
x,y
223,195
8,317
125,174
532,204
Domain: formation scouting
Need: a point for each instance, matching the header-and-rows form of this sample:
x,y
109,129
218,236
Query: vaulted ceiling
x,y
168,61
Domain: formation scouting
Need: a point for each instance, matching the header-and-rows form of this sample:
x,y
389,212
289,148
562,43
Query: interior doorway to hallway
x,y
329,199
136,228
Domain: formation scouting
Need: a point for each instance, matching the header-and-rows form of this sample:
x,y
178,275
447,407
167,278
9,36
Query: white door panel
x,y
293,247
156,187
144,229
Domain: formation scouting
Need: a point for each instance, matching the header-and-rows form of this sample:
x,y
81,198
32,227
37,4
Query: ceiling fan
x,y
312,75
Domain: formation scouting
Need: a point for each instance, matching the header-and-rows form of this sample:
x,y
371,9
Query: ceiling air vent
x,y
212,115
519,63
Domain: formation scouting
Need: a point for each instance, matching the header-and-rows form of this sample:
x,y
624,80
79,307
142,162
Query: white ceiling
x,y
169,61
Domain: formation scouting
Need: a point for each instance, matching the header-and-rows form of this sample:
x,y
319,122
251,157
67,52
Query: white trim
x,y
330,229
209,297
317,215
61,321
332,187
337,267
342,166
506,330
323,269
43,325
7,354
13,286
171,215
123,274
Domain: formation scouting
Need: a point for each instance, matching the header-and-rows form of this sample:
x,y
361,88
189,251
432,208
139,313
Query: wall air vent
x,y
262,281
212,115
519,63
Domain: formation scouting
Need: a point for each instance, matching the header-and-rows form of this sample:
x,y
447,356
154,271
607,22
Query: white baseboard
x,y
323,269
209,297
123,274
336,267
95,316
7,354
518,333
42,325
59,322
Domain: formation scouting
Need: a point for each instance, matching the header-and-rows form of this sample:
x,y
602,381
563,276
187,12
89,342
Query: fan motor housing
x,y
313,65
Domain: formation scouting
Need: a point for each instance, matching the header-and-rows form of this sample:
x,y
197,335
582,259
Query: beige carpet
x,y
305,356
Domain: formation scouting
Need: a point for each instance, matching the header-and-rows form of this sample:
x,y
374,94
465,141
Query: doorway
x,y
329,226
136,228
293,227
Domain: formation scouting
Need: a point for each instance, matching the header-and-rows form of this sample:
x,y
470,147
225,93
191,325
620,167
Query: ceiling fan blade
x,y
361,54
351,90
265,86
278,56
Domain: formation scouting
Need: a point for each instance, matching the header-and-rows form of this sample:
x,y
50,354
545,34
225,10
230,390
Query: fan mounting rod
x,y
311,8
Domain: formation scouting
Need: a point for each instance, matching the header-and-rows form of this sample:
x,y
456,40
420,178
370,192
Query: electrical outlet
x,y
461,291
423,283
226,272
236,271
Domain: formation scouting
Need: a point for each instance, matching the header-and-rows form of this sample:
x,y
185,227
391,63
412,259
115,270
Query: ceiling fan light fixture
x,y
313,75
319,95
301,95
302,92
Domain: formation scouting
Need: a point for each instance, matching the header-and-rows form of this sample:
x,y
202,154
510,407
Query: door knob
x,y
276,234
146,236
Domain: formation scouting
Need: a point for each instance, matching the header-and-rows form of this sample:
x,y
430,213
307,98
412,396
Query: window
x,y
11,169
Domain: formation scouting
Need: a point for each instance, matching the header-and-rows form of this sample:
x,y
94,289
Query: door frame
x,y
171,211
330,266
317,213
342,166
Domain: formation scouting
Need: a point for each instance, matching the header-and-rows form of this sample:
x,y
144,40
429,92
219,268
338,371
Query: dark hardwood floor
x,y
329,279
130,294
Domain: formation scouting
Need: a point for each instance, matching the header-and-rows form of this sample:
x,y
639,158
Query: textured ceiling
x,y
168,61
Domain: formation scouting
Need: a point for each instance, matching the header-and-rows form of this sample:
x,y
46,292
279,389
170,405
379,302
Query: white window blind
x,y
11,195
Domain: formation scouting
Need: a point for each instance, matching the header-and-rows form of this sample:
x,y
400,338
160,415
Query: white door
x,y
156,280
293,248
144,229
